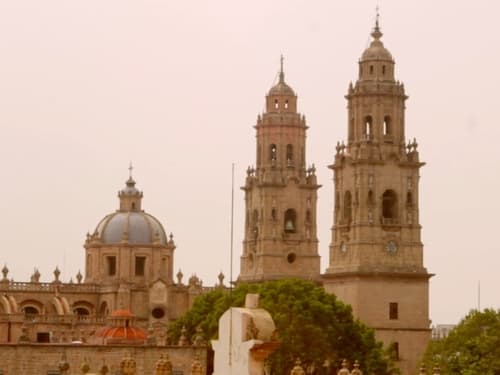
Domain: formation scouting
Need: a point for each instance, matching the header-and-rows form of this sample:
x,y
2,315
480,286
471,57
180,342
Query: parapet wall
x,y
39,359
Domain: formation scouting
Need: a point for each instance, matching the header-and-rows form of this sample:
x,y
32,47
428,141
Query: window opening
x,y
81,311
387,125
394,349
276,104
290,217
393,310
286,104
111,261
274,152
308,216
368,127
389,205
371,69
43,337
140,265
273,214
30,310
289,153
383,69
158,313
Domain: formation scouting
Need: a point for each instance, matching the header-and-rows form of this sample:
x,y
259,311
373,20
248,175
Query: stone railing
x,y
17,286
53,318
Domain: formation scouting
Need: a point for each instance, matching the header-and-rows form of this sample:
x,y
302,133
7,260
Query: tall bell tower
x,y
376,253
280,196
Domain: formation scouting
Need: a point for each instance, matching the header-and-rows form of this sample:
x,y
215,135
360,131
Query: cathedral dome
x,y
376,50
281,88
130,224
132,227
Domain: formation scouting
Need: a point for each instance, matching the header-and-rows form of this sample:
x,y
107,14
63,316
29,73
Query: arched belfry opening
x,y
387,125
389,205
273,152
368,127
290,221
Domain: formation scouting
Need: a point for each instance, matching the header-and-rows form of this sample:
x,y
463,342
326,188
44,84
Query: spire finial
x,y
282,74
377,34
130,168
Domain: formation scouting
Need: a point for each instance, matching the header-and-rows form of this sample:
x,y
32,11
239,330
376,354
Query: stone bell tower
x,y
376,253
280,196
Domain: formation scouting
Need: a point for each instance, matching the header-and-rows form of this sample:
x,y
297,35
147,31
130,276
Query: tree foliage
x,y
472,347
311,324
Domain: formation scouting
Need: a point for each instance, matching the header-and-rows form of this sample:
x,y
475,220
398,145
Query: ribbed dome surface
x,y
281,88
376,51
136,227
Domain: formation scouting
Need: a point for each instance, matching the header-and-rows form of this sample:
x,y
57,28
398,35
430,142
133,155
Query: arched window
x,y
289,153
273,214
274,151
81,311
389,205
371,69
387,125
383,69
276,104
30,310
286,104
368,130
290,221
347,206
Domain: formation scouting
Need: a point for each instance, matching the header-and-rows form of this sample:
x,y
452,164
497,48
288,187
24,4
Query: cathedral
x,y
375,258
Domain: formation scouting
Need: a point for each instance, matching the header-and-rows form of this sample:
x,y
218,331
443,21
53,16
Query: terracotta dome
x,y
120,330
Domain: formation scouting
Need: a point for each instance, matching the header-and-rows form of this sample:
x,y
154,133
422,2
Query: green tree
x,y
472,347
311,324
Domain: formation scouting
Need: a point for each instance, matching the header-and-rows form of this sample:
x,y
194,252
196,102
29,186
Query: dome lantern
x,y
281,97
130,197
376,62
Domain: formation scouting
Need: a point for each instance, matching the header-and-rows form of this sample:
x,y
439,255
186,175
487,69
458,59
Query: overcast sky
x,y
176,86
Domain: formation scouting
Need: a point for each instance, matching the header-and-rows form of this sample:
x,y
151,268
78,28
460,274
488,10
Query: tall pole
x,y
231,270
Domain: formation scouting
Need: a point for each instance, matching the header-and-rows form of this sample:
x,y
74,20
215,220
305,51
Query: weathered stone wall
x,y
37,359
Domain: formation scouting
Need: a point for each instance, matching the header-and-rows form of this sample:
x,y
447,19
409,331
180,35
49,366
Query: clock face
x,y
392,247
343,247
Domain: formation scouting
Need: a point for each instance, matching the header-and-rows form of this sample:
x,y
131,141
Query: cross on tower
x,y
130,168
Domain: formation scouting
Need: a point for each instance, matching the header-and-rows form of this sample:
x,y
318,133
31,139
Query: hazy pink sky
x,y
176,86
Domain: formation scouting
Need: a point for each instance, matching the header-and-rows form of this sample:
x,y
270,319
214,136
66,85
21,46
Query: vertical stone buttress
x,y
376,253
280,196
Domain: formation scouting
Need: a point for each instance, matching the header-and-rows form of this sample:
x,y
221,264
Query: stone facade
x,y
280,196
376,253
129,266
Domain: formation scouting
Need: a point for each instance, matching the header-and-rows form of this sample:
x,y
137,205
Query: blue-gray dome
x,y
135,227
